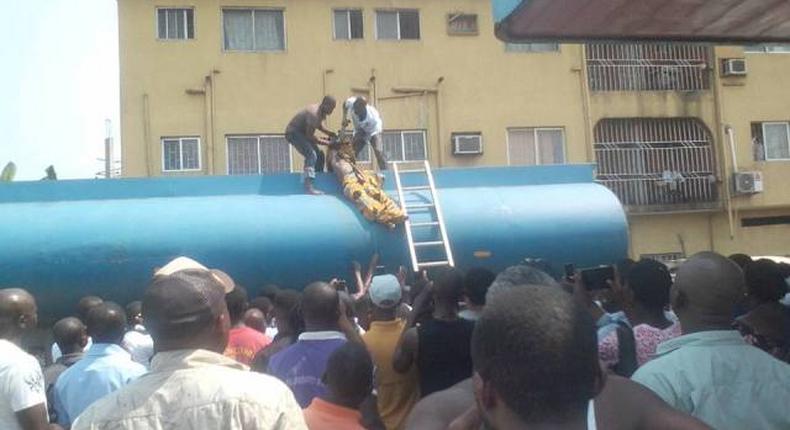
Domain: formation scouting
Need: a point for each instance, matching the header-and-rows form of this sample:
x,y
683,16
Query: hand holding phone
x,y
597,278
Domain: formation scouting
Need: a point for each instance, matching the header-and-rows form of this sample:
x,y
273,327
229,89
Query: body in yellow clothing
x,y
362,187
397,392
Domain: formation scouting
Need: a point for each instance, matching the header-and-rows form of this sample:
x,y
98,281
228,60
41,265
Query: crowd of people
x,y
704,347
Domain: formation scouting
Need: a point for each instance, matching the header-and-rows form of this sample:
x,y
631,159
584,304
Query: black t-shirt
x,y
444,357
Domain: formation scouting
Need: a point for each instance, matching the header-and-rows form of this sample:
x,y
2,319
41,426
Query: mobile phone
x,y
570,271
596,278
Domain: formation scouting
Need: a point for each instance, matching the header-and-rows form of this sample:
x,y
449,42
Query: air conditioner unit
x,y
467,144
733,67
747,182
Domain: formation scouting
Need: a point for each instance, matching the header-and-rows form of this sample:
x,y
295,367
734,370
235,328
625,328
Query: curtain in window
x,y
171,154
269,30
341,25
237,26
242,155
521,147
162,23
355,16
550,147
393,149
777,145
387,25
190,154
409,24
275,154
414,146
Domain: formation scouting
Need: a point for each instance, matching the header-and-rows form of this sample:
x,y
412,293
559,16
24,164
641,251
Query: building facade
x,y
208,86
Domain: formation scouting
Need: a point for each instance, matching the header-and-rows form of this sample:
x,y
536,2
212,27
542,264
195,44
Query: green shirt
x,y
719,378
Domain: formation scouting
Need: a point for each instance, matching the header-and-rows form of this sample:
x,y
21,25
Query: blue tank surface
x,y
66,239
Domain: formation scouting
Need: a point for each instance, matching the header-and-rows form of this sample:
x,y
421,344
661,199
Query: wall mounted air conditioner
x,y
467,143
733,67
747,182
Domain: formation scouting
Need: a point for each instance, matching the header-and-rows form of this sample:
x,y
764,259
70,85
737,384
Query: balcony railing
x,y
656,164
648,67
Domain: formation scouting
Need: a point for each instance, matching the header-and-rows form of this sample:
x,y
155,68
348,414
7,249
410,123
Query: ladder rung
x,y
424,224
420,206
419,188
431,243
412,171
433,264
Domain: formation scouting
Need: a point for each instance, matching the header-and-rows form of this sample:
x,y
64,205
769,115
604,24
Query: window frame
x,y
181,153
257,138
765,144
253,9
453,16
401,133
748,49
397,22
348,22
186,28
536,145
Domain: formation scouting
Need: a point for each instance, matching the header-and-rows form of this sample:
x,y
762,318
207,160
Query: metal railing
x,y
656,162
648,67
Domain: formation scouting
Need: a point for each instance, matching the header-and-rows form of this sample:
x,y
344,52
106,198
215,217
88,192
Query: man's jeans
x,y
313,156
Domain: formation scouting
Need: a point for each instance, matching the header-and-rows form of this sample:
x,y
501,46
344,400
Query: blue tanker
x,y
65,239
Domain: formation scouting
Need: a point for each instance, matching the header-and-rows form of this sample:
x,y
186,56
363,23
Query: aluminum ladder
x,y
432,206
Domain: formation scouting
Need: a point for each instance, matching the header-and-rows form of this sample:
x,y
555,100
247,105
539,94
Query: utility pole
x,y
108,153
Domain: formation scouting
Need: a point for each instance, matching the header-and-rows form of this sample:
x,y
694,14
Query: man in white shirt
x,y
23,403
191,385
367,127
137,341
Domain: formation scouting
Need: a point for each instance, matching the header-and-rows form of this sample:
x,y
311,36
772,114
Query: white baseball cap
x,y
385,291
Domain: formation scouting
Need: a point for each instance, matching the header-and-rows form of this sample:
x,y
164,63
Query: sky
x,y
58,83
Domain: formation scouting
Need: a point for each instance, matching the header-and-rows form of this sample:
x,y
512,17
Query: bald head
x,y
86,304
106,323
17,312
707,288
70,334
186,310
255,319
320,306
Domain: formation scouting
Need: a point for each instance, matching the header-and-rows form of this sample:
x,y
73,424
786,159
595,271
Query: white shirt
x,y
139,344
21,384
196,389
372,124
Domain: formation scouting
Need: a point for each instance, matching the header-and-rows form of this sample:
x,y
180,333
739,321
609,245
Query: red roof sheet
x,y
725,21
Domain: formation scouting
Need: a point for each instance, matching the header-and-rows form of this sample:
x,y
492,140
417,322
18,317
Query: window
x,y
180,154
532,47
175,24
648,66
397,24
656,163
462,24
253,29
531,146
348,24
401,146
767,48
252,155
774,138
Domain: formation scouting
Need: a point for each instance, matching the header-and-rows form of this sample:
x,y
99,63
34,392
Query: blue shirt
x,y
104,369
719,378
302,364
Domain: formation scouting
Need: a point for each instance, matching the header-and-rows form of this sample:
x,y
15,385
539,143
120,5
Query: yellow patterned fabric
x,y
364,188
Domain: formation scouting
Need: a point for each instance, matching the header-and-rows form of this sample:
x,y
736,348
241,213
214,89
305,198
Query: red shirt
x,y
244,343
322,415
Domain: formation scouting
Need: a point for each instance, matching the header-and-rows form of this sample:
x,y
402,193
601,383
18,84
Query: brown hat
x,y
185,263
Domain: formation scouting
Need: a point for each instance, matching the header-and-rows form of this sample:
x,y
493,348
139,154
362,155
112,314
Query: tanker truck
x,y
62,240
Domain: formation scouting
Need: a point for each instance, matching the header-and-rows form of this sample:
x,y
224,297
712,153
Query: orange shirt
x,y
244,343
397,392
322,415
